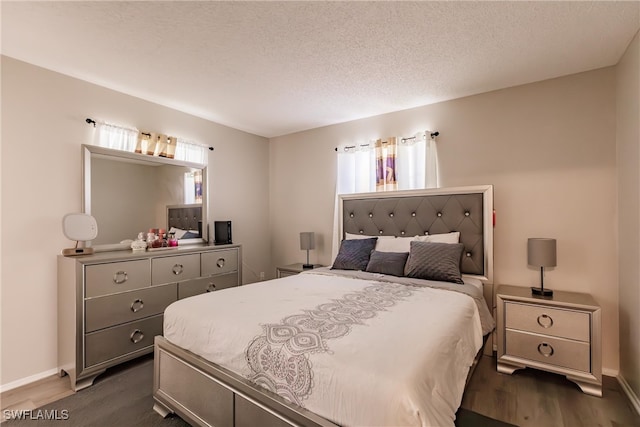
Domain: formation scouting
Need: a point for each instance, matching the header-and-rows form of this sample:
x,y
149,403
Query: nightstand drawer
x,y
549,321
549,350
175,269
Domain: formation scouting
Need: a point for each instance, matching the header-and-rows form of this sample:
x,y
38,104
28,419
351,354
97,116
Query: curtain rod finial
x,y
90,121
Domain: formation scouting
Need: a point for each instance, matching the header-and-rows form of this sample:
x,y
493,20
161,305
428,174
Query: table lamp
x,y
307,242
541,252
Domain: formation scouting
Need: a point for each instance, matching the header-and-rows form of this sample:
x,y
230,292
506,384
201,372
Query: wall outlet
x,y
262,275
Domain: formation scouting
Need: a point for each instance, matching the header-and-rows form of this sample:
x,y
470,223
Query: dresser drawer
x,y
207,284
175,268
548,321
219,262
105,279
112,310
549,350
118,341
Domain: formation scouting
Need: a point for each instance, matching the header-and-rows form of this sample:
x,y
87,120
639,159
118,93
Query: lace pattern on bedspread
x,y
279,358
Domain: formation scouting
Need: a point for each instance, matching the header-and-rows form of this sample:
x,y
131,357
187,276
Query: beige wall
x,y
628,141
549,149
42,129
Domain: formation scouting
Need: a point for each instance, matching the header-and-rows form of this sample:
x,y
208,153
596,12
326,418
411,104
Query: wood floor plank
x,y
533,398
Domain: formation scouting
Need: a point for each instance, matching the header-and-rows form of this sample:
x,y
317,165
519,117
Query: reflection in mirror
x,y
129,193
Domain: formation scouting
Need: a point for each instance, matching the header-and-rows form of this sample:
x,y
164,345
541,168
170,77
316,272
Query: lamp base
x,y
542,291
307,265
77,251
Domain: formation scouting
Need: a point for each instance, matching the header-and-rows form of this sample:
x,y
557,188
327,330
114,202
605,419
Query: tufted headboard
x,y
185,217
468,210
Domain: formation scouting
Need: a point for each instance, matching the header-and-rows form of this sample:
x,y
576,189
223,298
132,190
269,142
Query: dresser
x,y
560,334
111,304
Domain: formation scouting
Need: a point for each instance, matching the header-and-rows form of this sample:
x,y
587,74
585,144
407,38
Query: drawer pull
x,y
137,305
220,262
177,269
136,336
545,321
211,287
545,349
120,277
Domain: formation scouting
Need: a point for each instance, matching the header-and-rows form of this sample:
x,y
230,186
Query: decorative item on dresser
x,y
541,252
307,243
292,269
111,304
80,227
560,334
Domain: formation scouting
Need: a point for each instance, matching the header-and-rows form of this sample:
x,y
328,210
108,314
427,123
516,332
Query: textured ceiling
x,y
273,68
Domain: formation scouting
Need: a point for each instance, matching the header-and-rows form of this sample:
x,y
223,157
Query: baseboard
x,y
610,372
27,380
633,398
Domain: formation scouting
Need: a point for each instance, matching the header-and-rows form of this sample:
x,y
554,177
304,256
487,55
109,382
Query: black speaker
x,y
222,232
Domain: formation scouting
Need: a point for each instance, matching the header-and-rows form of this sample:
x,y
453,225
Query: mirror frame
x,y
89,150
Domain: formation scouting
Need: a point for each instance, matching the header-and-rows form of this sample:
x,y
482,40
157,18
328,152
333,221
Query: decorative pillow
x,y
397,244
435,261
354,254
453,237
387,262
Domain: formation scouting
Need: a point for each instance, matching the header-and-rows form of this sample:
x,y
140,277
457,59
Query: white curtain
x,y
191,152
125,139
356,169
417,162
116,137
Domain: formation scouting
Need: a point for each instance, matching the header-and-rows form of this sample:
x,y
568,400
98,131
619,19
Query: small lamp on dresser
x,y
307,242
541,252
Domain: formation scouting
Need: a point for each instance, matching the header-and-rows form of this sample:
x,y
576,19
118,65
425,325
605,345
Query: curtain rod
x,y
90,121
433,135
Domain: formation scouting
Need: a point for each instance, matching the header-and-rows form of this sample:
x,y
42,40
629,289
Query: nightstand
x,y
292,269
560,334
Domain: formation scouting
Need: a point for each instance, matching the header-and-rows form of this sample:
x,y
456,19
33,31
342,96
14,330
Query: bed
x,y
387,336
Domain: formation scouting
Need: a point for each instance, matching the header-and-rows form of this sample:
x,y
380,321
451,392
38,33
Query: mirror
x,y
128,193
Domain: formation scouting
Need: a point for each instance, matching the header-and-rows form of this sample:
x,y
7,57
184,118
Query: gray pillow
x,y
354,254
387,262
435,261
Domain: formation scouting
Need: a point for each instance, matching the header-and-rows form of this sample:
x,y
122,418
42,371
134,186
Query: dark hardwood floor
x,y
532,398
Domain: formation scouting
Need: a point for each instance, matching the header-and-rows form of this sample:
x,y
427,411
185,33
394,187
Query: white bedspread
x,y
357,352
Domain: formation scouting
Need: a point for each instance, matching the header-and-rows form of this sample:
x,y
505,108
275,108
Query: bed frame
x,y
205,394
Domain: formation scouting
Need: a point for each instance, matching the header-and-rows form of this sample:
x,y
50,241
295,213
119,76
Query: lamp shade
x,y
541,252
307,240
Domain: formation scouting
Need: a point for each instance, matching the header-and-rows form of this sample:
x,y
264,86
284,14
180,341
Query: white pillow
x,y
453,237
397,244
350,236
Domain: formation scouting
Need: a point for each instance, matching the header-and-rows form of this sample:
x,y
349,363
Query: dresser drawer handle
x,y
545,349
211,287
137,305
120,277
220,262
136,336
545,321
177,269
